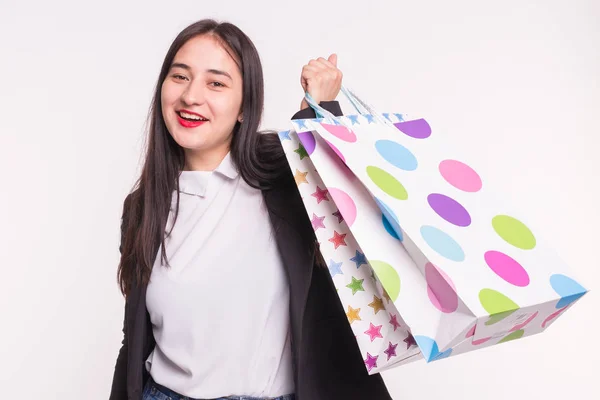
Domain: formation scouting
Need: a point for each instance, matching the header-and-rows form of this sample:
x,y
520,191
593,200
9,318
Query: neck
x,y
204,160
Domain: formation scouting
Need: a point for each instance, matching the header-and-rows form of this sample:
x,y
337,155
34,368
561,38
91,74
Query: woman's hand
x,y
322,79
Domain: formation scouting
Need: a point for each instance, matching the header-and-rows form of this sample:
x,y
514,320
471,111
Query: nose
x,y
193,94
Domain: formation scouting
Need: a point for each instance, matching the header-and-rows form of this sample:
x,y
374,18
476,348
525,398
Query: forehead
x,y
206,52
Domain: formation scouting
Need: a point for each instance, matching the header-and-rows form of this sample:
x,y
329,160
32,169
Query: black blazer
x,y
327,363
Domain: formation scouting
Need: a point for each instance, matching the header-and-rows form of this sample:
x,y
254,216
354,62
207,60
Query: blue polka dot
x,y
568,289
390,221
430,350
396,154
442,243
388,227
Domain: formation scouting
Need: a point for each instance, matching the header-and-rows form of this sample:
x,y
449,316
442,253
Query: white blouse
x,y
220,313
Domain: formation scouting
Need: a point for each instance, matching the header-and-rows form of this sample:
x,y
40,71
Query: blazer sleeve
x,y
308,113
119,383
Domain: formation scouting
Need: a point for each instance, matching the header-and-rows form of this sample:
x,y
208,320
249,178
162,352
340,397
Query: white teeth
x,y
191,116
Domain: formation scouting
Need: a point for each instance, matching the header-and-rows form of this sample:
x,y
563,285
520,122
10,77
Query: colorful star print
x,y
410,341
356,285
371,362
339,216
301,125
391,350
317,222
374,332
300,177
377,304
320,195
335,268
394,322
301,151
400,117
347,253
284,135
352,314
353,119
359,259
338,240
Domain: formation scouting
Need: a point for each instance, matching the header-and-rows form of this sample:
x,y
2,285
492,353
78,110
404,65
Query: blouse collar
x,y
196,182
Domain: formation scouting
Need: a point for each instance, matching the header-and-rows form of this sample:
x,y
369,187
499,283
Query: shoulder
x,y
270,148
273,160
284,197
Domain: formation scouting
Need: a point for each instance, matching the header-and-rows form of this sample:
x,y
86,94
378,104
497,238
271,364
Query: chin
x,y
191,143
186,137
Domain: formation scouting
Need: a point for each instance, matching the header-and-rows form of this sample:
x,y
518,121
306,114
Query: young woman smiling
x,y
226,296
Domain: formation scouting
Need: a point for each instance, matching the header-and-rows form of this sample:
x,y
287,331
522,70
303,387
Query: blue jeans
x,y
154,391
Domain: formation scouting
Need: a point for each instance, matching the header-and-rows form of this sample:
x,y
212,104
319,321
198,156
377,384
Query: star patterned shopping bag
x,y
383,337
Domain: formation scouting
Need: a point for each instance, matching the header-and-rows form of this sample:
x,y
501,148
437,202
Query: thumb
x,y
333,59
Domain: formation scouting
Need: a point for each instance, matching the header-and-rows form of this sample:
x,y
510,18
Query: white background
x,y
515,84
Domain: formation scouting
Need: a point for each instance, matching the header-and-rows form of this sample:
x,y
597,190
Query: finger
x,y
303,83
318,63
333,59
309,71
331,67
309,74
326,63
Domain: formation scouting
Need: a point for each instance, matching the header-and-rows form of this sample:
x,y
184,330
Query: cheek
x,y
236,102
167,96
226,107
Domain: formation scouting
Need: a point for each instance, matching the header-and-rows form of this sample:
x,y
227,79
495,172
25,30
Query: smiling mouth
x,y
190,121
187,117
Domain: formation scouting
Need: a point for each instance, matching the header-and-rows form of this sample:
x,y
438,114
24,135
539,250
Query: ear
x,y
241,118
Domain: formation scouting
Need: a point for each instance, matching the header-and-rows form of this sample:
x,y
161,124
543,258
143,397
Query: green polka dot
x,y
497,305
389,278
513,232
512,336
386,182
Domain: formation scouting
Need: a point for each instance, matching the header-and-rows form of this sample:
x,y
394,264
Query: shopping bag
x,y
381,334
481,274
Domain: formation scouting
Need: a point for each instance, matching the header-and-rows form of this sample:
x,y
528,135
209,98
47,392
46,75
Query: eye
x,y
179,77
217,84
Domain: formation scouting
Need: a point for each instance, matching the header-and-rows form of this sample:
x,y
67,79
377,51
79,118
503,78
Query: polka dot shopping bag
x,y
426,259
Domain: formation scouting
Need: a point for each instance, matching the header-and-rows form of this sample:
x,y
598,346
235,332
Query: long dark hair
x,y
258,156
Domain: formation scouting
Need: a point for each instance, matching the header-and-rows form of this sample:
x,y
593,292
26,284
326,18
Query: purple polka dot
x,y
449,209
507,268
308,141
418,128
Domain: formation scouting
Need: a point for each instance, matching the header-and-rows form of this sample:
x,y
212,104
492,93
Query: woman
x,y
225,294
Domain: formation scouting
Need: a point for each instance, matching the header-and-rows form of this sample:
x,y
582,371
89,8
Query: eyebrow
x,y
210,71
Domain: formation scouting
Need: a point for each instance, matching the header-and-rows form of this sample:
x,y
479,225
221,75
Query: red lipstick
x,y
186,123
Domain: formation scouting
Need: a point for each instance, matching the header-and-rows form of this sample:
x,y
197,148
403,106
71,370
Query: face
x,y
201,98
